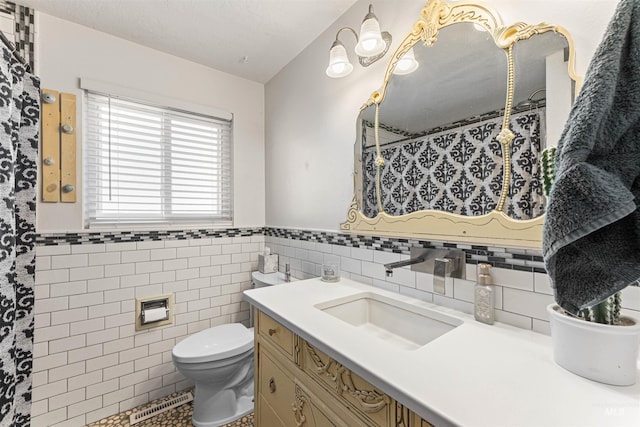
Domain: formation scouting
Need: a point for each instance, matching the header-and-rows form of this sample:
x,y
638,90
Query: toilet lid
x,y
217,343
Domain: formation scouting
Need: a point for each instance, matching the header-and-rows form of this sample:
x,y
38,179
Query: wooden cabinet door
x,y
347,387
307,413
265,416
419,422
276,387
314,407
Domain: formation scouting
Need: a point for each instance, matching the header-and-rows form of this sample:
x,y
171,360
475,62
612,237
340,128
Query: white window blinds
x,y
151,165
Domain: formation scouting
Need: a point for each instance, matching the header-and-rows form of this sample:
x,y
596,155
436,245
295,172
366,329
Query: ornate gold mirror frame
x,y
496,227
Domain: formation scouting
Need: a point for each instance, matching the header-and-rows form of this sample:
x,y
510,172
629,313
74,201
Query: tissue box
x,y
268,263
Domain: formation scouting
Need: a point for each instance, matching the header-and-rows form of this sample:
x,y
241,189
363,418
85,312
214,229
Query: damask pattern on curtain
x,y
20,119
459,170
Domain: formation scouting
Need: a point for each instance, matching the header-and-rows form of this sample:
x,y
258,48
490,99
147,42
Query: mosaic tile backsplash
x,y
90,363
510,258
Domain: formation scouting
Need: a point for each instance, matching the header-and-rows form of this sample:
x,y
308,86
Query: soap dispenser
x,y
484,298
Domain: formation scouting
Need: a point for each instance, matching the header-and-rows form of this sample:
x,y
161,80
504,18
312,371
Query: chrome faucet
x,y
442,268
287,273
388,268
441,263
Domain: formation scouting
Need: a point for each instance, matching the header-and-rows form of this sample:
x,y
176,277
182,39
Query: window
x,y
150,165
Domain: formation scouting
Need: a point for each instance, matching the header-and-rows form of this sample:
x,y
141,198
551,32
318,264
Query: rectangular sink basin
x,y
400,323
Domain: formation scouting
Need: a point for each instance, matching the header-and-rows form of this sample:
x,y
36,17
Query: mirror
x,y
440,154
543,95
451,151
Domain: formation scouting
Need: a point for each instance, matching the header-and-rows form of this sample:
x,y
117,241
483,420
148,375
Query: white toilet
x,y
219,361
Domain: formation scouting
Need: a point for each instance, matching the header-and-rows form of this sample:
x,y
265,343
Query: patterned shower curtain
x,y
457,170
20,119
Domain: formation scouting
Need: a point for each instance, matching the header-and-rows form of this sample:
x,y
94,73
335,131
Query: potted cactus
x,y
594,348
599,343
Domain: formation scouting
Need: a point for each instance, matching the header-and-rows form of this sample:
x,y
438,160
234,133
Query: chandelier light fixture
x,y
370,46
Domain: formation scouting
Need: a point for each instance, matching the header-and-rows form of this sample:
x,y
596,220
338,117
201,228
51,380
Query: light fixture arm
x,y
370,15
535,93
350,29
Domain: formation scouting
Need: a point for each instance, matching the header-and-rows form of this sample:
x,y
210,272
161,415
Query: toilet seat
x,y
217,343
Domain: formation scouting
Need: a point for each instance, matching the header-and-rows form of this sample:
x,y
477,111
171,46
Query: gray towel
x,y
591,235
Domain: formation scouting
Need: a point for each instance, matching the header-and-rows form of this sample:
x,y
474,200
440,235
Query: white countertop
x,y
474,375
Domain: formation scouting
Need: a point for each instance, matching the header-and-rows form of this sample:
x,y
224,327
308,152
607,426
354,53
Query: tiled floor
x,y
176,417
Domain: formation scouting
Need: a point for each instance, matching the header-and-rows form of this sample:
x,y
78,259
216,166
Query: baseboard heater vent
x,y
160,407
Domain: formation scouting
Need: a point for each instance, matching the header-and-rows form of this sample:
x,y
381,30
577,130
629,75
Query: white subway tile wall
x,y
89,362
521,297
7,24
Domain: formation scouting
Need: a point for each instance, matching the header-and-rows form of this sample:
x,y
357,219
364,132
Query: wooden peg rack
x,y
58,146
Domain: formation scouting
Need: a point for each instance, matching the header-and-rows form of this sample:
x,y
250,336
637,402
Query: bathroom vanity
x,y
298,385
411,363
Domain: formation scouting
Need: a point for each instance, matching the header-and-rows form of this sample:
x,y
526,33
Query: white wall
x,y
67,52
311,118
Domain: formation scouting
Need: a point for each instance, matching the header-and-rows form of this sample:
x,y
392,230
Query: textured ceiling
x,y
253,39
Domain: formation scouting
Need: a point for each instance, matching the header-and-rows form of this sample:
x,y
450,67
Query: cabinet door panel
x,y
419,422
318,409
276,387
346,386
315,418
266,416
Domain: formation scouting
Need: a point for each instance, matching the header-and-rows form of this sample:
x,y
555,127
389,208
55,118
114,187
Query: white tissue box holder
x,y
268,263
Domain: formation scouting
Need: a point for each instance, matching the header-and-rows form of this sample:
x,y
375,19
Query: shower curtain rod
x,y
13,50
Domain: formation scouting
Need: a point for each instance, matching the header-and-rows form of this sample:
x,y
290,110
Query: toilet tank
x,y
260,280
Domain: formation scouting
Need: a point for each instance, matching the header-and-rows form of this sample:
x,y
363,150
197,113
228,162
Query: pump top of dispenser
x,y
484,274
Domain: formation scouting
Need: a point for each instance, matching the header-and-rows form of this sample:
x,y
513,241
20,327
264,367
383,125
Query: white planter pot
x,y
603,353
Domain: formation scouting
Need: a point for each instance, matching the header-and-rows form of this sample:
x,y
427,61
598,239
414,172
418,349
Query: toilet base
x,y
245,407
